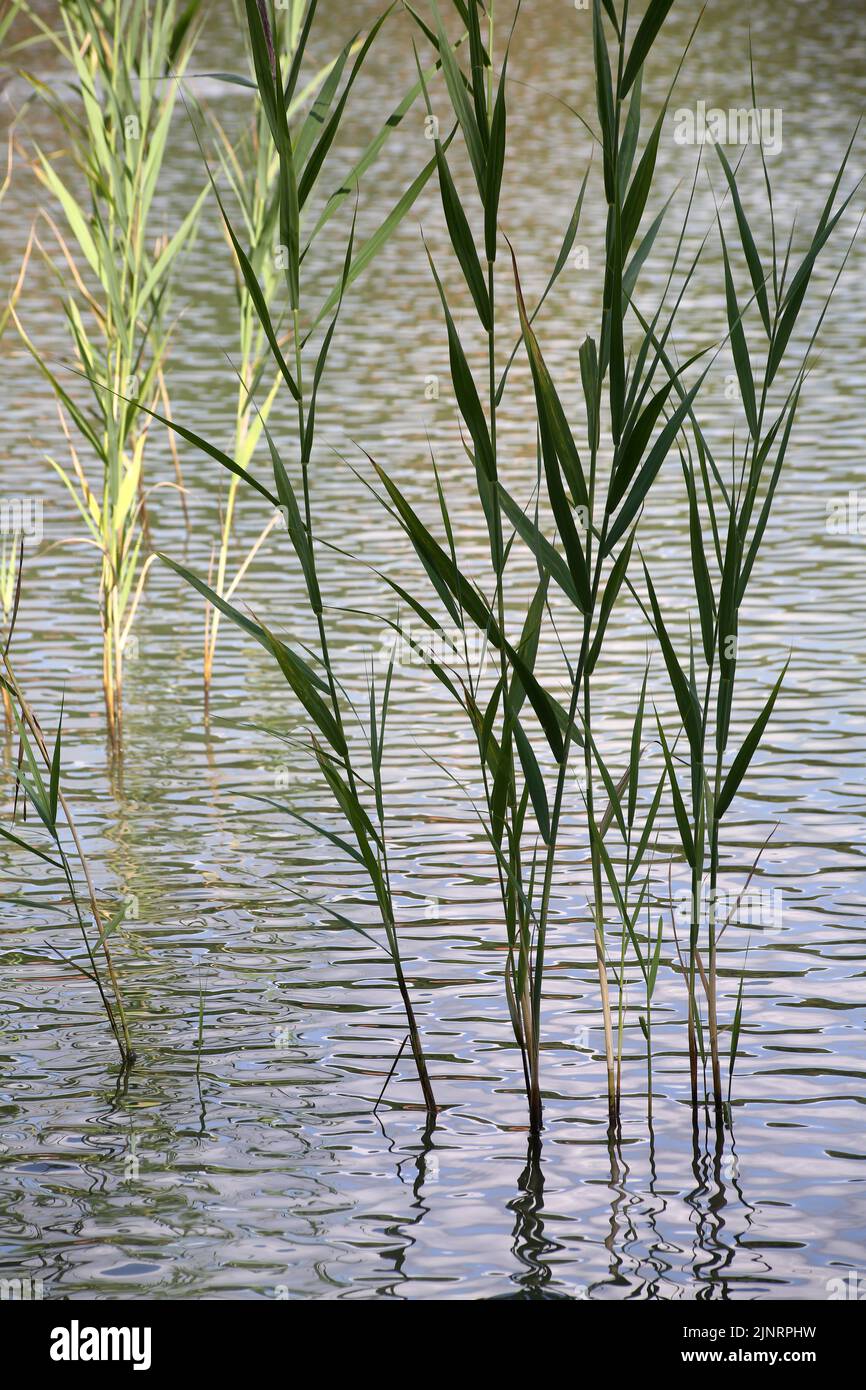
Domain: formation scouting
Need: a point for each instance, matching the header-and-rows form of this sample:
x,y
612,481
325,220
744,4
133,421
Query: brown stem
x,y
693,1058
536,1110
712,1014
598,912
612,1093
415,1040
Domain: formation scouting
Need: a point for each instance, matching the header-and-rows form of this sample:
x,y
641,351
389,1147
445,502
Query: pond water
x,y
248,1162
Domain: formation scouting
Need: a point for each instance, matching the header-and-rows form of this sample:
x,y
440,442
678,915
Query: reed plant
x,y
594,509
122,60
730,504
646,403
38,783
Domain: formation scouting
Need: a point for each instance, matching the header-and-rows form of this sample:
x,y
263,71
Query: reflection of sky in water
x,y
267,1173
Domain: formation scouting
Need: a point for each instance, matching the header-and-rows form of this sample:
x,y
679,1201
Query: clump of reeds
x,y
594,514
592,486
638,408
38,782
730,503
122,60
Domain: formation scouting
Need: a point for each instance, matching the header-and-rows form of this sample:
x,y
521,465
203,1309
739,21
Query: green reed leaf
x,y
558,450
641,184
604,102
680,814
463,110
534,781
432,555
739,346
463,242
683,694
635,751
750,250
547,556
609,597
648,30
700,572
495,166
743,759
320,151
650,468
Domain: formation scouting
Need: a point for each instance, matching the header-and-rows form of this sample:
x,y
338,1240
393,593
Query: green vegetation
x,y
39,784
544,781
124,60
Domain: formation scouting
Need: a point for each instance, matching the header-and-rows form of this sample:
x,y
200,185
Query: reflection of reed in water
x,y
530,1246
